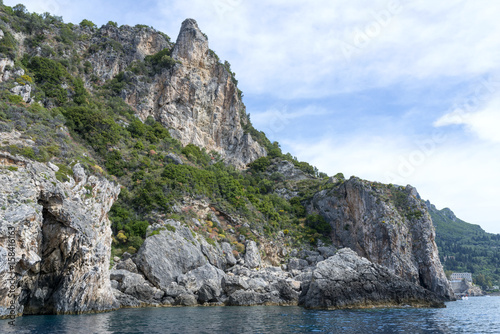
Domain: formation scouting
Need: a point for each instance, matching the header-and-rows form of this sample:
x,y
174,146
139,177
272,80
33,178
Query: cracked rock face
x,y
346,280
61,239
364,219
197,101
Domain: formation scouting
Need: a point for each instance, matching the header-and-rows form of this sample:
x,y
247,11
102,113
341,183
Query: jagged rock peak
x,y
192,45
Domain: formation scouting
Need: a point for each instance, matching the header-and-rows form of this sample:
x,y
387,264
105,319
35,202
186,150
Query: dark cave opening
x,y
57,253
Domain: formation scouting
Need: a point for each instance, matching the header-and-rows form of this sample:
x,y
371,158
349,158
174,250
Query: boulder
x,y
228,253
186,299
136,286
250,298
346,280
174,290
205,281
252,255
165,256
297,264
232,283
128,264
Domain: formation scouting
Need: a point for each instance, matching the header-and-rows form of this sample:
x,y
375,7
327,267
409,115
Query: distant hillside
x,y
466,247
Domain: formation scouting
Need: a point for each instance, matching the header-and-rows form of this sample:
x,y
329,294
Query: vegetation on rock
x,y
465,247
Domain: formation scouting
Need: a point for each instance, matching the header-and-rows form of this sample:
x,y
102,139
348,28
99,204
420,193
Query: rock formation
x,y
197,100
390,228
176,273
58,261
58,254
464,288
349,281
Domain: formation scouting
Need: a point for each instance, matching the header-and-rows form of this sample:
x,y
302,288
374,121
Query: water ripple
x,y
477,315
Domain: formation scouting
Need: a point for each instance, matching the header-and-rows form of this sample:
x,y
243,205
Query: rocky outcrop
x,y
252,256
464,288
197,100
165,256
57,237
288,170
387,225
111,50
349,281
6,66
182,271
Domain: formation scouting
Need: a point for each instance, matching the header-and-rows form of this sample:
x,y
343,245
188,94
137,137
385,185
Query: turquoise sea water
x,y
476,315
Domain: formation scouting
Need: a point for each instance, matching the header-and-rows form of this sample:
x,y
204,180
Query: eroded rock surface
x,y
346,280
392,229
61,238
323,279
197,100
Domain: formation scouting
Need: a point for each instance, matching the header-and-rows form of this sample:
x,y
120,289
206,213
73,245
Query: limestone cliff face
x,y
369,219
197,100
55,239
111,49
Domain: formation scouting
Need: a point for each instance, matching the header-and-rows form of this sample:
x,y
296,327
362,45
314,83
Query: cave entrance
x,y
57,251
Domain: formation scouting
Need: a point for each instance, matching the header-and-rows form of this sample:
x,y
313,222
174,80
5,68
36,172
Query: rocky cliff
x,y
55,239
188,89
195,231
347,280
388,225
197,100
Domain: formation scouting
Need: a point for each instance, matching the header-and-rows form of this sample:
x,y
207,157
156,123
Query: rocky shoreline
x,y
175,268
63,241
58,262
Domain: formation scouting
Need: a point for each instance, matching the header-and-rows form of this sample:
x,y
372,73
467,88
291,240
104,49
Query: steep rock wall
x,y
365,218
55,239
197,100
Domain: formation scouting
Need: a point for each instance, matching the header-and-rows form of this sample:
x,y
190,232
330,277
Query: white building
x,y
461,276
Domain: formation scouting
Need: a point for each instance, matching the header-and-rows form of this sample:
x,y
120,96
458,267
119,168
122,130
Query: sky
x,y
398,91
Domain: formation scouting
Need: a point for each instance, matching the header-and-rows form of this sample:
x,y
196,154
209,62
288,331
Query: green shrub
x,y
160,60
260,164
318,223
8,44
50,74
64,172
16,99
195,154
87,23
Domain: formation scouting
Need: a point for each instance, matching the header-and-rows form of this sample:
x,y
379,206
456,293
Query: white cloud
x,y
484,123
283,115
461,177
293,49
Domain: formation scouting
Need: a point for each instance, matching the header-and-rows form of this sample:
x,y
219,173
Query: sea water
x,y
476,315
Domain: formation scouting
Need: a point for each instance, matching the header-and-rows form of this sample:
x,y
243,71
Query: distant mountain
x,y
466,247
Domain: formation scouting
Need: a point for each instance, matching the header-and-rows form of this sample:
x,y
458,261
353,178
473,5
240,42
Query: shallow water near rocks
x,y
476,315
